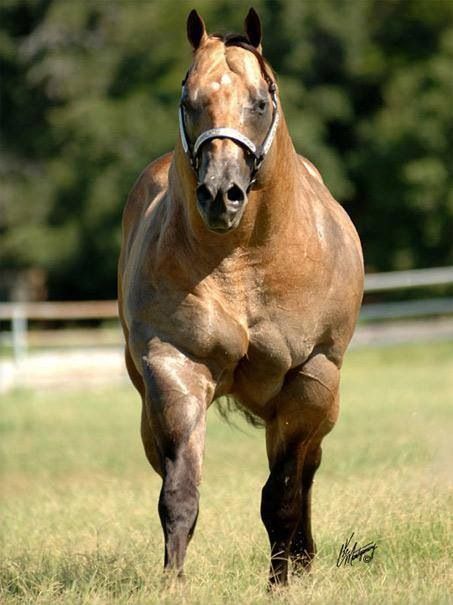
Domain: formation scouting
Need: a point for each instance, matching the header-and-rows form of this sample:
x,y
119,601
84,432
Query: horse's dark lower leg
x,y
307,408
280,510
178,509
303,547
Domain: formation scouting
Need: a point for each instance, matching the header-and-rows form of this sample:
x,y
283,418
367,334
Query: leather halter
x,y
257,152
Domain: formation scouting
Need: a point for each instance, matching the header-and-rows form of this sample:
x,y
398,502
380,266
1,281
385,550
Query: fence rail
x,y
398,280
87,309
407,309
20,313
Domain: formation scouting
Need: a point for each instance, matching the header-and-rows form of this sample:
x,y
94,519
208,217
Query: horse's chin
x,y
222,227
222,230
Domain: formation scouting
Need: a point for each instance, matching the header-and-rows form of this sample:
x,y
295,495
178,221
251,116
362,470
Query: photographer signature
x,y
362,553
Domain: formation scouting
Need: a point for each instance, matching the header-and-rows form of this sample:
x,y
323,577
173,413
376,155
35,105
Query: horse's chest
x,y
252,358
208,330
260,373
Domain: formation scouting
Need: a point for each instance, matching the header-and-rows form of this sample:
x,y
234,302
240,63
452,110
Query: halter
x,y
257,152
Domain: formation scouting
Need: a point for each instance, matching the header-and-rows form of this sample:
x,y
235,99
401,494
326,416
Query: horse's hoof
x,y
277,583
173,580
302,564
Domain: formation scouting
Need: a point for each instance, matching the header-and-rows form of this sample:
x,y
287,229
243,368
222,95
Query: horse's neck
x,y
273,202
270,208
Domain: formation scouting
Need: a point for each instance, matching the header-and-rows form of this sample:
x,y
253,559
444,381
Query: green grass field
x,y
78,500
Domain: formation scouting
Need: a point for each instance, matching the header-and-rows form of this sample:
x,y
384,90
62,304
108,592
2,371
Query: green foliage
x,y
89,97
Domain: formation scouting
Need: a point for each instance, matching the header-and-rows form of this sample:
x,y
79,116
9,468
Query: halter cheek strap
x,y
258,153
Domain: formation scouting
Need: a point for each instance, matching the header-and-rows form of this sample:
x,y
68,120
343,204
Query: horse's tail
x,y
228,405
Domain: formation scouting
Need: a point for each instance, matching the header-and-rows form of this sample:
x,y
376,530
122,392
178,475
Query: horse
x,y
239,276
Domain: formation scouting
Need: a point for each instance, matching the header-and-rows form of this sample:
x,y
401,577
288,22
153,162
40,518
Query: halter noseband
x,y
257,152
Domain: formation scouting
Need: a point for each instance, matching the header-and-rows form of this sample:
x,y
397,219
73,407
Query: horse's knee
x,y
178,393
178,389
279,505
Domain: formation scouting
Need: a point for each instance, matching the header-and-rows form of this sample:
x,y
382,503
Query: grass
x,y
78,500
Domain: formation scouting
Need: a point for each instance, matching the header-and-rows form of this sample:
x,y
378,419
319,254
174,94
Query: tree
x,y
90,92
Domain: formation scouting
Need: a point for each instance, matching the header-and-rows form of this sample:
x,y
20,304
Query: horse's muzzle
x,y
222,209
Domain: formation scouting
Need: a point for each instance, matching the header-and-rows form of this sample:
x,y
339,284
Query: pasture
x,y
78,499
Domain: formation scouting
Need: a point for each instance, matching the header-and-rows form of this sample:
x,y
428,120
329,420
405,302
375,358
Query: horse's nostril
x,y
235,194
203,195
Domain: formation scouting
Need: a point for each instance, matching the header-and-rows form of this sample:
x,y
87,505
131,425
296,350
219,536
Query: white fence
x,y
402,280
398,280
19,314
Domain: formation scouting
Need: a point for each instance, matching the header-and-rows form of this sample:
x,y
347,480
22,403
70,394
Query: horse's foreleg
x,y
280,509
178,501
303,547
318,381
305,411
178,392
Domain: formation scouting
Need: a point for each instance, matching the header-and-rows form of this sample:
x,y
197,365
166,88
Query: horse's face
x,y
225,88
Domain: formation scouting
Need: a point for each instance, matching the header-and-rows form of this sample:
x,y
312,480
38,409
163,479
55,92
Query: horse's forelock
x,y
232,39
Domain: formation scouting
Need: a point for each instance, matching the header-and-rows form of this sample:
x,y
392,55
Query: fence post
x,y
19,326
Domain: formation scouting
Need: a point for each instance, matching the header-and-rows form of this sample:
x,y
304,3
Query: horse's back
x,y
332,268
332,226
151,182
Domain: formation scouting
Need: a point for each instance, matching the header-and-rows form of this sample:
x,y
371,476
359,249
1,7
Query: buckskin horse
x,y
239,275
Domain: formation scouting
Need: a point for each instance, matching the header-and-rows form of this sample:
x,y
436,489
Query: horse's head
x,y
228,118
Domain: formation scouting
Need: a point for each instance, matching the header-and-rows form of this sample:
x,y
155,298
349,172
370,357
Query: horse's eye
x,y
190,108
185,104
260,106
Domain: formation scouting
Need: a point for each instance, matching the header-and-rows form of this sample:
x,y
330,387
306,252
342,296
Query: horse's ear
x,y
252,27
196,30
